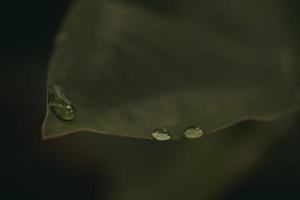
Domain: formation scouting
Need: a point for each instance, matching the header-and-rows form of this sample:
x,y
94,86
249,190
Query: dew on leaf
x,y
193,133
60,104
161,134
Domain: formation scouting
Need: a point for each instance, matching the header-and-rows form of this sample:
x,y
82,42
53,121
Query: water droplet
x,y
193,133
161,134
60,104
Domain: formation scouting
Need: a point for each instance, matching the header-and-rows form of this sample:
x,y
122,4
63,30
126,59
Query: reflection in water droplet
x,y
59,103
161,134
193,132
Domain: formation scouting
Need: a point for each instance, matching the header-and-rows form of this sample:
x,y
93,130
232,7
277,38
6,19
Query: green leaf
x,y
129,70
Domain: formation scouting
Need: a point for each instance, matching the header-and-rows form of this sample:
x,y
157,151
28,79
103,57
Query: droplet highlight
x,y
193,133
161,134
60,104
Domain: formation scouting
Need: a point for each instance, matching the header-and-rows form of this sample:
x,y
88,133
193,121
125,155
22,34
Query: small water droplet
x,y
60,104
193,133
161,134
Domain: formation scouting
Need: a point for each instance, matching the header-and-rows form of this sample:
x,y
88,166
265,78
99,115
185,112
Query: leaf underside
x,y
129,69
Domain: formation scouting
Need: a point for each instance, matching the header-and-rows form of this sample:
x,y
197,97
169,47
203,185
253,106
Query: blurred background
x,y
226,165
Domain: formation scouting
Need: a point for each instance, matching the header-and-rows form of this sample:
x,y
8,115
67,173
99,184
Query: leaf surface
x,y
128,69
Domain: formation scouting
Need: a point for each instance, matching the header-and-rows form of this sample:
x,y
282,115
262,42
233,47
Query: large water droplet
x,y
161,134
60,104
193,133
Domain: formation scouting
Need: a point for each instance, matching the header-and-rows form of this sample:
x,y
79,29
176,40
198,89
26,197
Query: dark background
x,y
31,169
